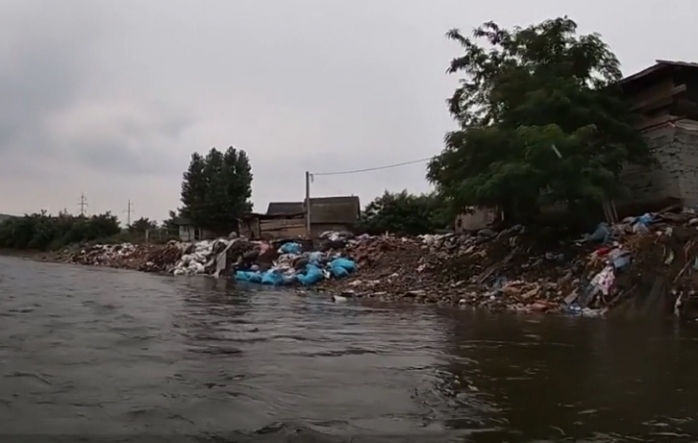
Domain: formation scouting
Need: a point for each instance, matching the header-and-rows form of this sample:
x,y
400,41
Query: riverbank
x,y
514,269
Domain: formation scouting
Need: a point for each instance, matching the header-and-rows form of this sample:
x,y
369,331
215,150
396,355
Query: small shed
x,y
326,214
188,232
334,213
272,226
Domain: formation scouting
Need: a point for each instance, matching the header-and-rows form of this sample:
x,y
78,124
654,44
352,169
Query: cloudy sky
x,y
110,98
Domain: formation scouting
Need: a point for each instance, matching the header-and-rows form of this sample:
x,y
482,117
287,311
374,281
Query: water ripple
x,y
106,353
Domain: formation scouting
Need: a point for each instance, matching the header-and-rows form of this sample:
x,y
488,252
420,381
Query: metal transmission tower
x,y
128,213
83,204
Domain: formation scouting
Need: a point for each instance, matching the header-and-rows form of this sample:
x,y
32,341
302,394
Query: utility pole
x,y
307,204
128,213
83,204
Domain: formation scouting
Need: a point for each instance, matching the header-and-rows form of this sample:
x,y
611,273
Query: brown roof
x,y
659,68
278,208
323,209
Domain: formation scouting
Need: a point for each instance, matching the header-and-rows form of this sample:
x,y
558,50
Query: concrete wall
x,y
478,219
686,140
188,233
675,146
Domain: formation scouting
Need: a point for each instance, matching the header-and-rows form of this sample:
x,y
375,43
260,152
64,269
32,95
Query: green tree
x,y
169,225
405,214
541,120
216,189
143,224
194,188
42,231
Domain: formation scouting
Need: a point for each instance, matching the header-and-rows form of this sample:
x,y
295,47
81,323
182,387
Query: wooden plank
x,y
657,100
283,222
657,88
659,120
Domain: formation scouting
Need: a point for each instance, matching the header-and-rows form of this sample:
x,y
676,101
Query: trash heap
x,y
632,263
518,269
120,256
293,265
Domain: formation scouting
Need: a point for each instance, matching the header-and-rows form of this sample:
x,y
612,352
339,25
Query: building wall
x,y
686,140
251,229
188,233
476,220
282,228
675,146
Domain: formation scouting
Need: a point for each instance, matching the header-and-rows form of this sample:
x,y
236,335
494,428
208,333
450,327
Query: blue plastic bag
x,y
338,271
250,276
291,248
242,276
312,276
272,278
256,277
345,263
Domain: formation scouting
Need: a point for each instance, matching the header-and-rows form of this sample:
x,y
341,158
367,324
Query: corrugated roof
x,y
659,65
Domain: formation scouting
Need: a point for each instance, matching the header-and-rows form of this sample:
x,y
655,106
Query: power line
x,y
83,203
377,168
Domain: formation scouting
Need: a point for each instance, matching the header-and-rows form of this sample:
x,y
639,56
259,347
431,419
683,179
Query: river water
x,y
106,354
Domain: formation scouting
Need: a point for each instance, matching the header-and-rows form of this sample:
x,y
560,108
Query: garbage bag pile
x,y
293,265
522,270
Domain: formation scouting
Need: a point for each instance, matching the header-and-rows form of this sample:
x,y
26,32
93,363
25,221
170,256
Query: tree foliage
x,y
42,231
169,225
143,224
541,120
217,188
405,214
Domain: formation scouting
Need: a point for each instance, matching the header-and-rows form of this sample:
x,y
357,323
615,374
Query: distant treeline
x,y
46,232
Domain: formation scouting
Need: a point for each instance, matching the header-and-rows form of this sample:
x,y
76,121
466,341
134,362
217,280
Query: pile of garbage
x,y
151,258
278,263
630,262
296,266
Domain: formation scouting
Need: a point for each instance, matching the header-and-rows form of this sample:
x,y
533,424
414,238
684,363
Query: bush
x,y
45,232
403,213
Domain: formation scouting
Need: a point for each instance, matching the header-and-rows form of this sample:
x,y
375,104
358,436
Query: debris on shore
x,y
512,269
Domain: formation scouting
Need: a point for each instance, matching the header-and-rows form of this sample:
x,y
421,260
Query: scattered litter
x,y
509,269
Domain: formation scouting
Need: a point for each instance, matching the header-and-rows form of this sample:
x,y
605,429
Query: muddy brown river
x,y
106,355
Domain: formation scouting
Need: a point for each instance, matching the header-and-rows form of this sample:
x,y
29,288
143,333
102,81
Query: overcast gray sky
x,y
112,97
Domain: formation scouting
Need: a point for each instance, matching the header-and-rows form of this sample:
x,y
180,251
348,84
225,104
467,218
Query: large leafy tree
x,y
406,214
217,188
541,120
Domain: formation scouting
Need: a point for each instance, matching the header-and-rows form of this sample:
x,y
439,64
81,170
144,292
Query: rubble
x,y
518,270
511,269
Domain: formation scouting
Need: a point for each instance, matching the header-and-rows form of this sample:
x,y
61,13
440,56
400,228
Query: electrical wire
x,y
377,168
